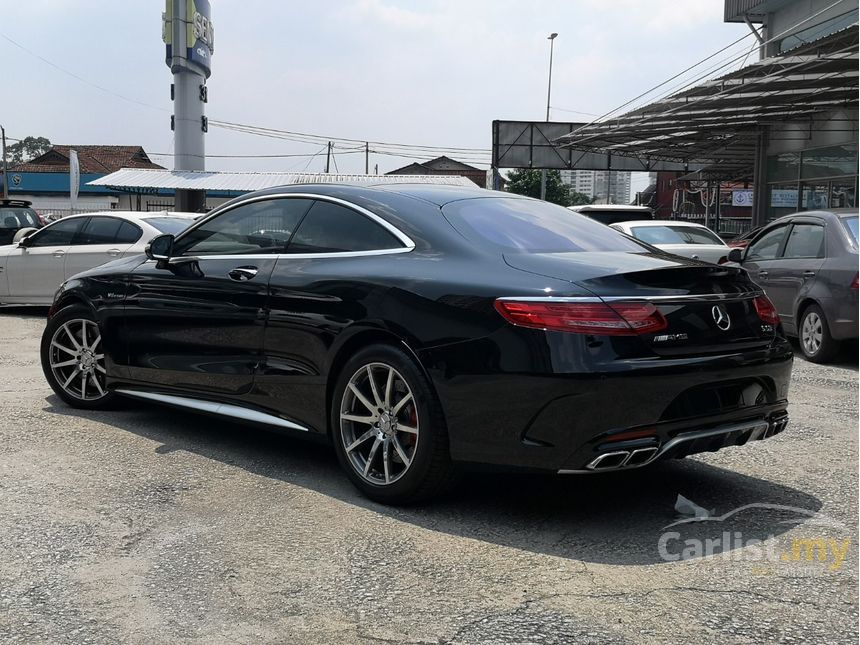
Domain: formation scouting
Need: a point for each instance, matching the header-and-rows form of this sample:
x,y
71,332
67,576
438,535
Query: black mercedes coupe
x,y
423,328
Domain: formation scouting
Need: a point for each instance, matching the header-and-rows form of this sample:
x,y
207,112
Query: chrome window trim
x,y
404,239
287,256
223,409
706,297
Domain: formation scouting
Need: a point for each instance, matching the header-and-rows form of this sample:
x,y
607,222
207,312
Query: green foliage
x,y
527,182
26,149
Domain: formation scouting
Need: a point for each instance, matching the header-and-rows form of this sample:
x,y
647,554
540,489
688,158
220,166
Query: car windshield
x,y
675,235
18,218
513,225
172,225
850,224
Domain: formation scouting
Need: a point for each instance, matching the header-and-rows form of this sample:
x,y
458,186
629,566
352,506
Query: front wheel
x,y
388,428
816,343
73,359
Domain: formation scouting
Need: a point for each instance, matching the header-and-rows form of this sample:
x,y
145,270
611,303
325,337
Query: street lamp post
x,y
551,39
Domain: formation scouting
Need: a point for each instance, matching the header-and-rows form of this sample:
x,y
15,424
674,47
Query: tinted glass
x,y
850,224
172,225
331,228
766,247
99,230
60,233
259,227
530,226
805,241
18,218
675,235
128,233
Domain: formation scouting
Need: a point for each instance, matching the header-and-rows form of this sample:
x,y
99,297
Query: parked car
x,y
743,241
613,213
416,327
807,264
33,268
16,215
681,238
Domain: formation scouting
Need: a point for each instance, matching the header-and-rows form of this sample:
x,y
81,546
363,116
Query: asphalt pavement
x,y
150,525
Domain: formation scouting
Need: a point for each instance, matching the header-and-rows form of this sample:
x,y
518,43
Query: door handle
x,y
59,253
762,274
809,274
113,252
242,274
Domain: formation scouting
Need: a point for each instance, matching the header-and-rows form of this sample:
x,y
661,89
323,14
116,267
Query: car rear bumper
x,y
520,409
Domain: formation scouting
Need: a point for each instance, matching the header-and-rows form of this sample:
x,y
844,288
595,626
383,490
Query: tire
x,y
398,452
72,361
816,343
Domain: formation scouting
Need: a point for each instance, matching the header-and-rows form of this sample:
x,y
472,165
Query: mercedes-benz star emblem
x,y
721,317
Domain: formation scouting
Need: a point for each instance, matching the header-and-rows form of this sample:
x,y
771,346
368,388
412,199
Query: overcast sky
x,y
435,72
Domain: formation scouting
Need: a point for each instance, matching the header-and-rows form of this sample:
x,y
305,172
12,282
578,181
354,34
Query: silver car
x,y
807,265
33,268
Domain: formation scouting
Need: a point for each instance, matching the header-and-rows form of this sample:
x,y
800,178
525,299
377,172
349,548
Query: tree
x,y
527,182
26,149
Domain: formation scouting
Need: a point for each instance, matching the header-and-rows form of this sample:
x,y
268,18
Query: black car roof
x,y
433,193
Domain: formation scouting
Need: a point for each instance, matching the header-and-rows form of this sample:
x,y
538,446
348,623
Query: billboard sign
x,y
197,37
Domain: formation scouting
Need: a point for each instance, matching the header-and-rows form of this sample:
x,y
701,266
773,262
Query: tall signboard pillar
x,y
189,35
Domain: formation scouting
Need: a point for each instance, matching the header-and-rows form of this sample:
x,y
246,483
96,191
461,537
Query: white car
x,y
33,268
681,238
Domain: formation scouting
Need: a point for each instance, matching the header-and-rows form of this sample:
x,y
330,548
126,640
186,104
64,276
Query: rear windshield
x,y
530,226
675,235
850,224
616,216
172,225
18,218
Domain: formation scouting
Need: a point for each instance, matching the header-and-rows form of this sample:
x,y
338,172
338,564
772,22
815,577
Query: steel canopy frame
x,y
718,123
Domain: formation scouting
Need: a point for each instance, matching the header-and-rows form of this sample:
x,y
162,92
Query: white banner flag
x,y
74,178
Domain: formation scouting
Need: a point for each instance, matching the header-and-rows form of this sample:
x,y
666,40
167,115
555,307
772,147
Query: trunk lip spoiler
x,y
696,297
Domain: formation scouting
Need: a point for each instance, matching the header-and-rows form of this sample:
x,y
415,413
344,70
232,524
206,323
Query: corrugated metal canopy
x,y
130,179
716,122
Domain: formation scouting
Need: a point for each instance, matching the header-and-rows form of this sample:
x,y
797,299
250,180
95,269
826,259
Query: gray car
x,y
807,265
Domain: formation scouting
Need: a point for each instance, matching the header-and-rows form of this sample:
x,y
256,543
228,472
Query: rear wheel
x,y
73,358
388,428
816,343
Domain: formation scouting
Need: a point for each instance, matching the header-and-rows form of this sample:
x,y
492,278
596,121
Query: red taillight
x,y
616,319
854,281
765,310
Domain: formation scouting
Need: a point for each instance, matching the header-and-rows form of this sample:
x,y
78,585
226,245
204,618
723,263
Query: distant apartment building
x,y
593,183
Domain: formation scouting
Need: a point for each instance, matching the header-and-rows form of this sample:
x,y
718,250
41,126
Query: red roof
x,y
93,159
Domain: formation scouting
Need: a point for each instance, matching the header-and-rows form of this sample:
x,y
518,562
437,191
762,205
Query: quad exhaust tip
x,y
622,458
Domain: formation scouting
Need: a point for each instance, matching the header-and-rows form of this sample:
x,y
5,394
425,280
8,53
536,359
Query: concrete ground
x,y
149,525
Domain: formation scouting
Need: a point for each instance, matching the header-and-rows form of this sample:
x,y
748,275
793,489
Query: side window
x,y
59,234
805,241
331,228
99,230
258,227
128,233
767,246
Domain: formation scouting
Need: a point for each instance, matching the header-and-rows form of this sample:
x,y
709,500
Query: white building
x,y
593,184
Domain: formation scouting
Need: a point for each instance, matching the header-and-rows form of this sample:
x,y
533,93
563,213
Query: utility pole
x,y
5,175
551,39
190,41
366,157
328,158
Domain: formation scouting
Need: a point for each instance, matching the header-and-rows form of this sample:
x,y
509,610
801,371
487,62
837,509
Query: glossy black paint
x,y
511,396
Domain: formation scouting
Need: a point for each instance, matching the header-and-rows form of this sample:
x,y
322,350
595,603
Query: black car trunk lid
x,y
708,308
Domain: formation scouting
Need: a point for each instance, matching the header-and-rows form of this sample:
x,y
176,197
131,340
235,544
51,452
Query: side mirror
x,y
736,255
21,236
160,247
